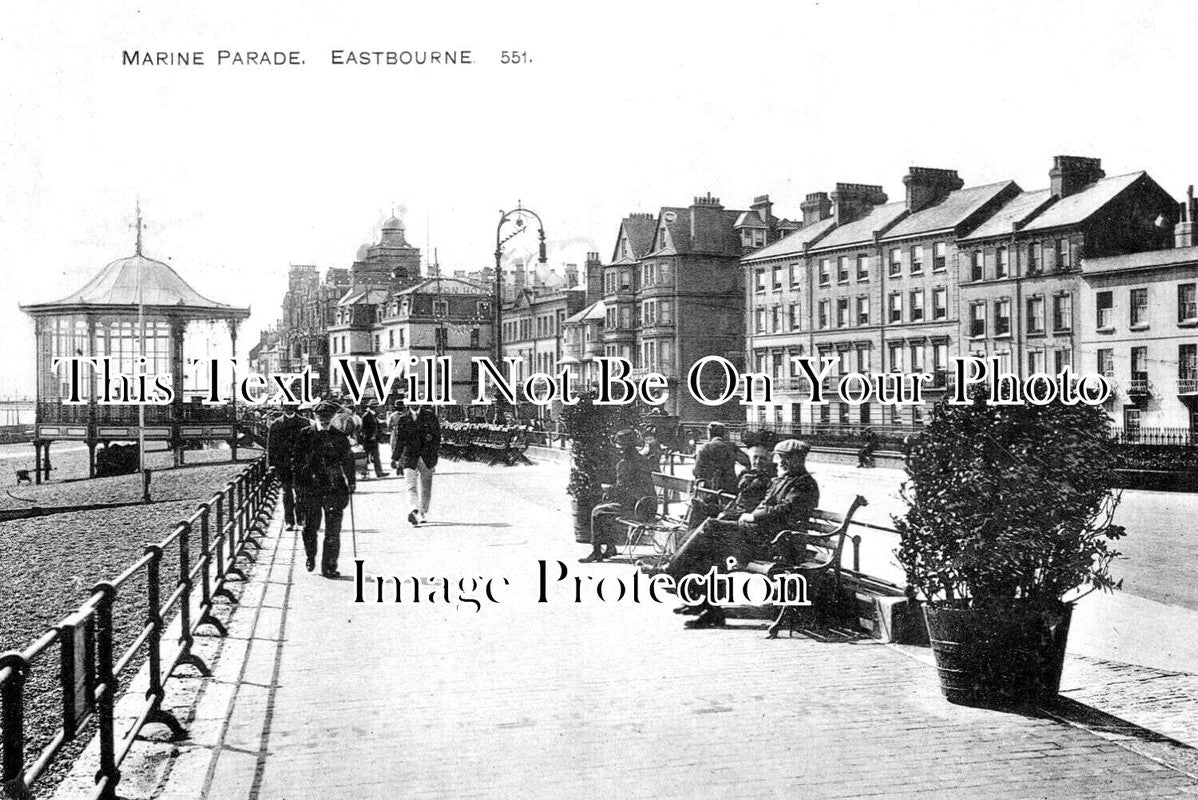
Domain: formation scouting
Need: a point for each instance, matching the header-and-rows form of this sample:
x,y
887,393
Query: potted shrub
x,y
1009,523
593,458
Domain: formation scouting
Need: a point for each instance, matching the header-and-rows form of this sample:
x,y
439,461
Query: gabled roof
x,y
861,231
596,310
639,230
1081,206
1151,258
955,209
1017,210
444,286
136,280
750,219
793,243
371,295
700,229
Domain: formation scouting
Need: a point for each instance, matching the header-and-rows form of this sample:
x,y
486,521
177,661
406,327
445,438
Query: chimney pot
x,y
1071,174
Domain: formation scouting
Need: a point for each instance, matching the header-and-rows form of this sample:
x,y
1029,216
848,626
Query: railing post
x,y
106,691
12,718
155,692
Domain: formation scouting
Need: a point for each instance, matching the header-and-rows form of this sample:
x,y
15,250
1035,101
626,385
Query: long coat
x,y
283,434
414,439
788,504
322,466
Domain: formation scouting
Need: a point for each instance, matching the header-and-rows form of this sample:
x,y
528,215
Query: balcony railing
x,y
1138,386
1187,385
1156,436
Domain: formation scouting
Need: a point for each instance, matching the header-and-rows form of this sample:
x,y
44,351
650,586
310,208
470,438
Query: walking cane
x,y
353,530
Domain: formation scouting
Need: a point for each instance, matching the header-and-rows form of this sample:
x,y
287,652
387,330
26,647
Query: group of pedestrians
x,y
315,462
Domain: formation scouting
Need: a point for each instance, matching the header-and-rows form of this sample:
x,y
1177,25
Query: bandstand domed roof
x,y
393,223
128,282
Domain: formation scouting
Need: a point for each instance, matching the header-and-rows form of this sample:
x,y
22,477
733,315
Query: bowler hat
x,y
327,409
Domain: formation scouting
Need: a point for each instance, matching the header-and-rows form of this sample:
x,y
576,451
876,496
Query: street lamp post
x,y
517,214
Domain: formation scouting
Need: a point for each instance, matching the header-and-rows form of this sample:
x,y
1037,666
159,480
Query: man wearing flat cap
x,y
788,504
281,439
323,471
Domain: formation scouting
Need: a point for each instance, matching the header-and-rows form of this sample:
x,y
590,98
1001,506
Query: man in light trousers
x,y
415,445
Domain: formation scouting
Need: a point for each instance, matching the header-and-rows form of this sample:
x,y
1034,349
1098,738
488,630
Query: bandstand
x,y
134,306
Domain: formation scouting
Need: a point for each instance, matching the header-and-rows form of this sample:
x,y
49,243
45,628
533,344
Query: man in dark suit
x,y
281,439
415,445
368,437
323,466
788,505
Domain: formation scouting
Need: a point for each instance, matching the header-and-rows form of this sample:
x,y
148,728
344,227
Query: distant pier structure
x,y
133,306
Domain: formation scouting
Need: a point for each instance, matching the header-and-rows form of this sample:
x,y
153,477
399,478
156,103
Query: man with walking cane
x,y
323,470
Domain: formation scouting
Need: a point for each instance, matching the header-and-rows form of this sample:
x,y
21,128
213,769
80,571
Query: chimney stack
x,y
817,206
594,277
852,201
764,209
927,186
571,276
1183,231
1071,174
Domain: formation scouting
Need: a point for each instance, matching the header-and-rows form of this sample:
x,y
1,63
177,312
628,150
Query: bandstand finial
x,y
138,226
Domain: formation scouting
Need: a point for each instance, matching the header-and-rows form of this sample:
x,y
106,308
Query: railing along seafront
x,y
89,671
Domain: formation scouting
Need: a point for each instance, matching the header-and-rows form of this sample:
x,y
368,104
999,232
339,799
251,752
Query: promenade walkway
x,y
316,696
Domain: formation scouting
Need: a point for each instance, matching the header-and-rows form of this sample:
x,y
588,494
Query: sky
x,y
244,170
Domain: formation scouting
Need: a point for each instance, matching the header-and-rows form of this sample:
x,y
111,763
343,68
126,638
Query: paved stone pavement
x,y
316,696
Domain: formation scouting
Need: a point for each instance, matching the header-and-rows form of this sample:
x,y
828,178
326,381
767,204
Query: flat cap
x,y
327,408
792,446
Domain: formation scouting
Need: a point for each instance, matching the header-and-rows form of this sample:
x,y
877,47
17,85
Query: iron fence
x,y
89,670
1158,436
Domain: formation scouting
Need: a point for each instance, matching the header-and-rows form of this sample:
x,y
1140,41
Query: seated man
x,y
754,483
634,481
715,469
788,505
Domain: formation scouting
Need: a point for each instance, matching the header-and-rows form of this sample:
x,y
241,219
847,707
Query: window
x,y
1139,364
977,319
1061,251
844,414
917,259
1187,303
760,284
824,310
842,312
896,307
1062,312
862,267
1131,424
1139,307
759,321
796,274
896,261
940,303
863,359
940,356
796,316
440,308
1106,362
917,354
778,279
977,269
776,319
917,305
864,413
939,257
825,275
1035,361
842,357
842,269
1187,366
391,338
863,310
1033,258
625,280
896,356
1002,262
1035,315
1002,318
665,312
1106,303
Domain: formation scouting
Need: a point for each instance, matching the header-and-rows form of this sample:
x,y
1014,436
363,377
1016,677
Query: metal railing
x,y
90,669
1156,436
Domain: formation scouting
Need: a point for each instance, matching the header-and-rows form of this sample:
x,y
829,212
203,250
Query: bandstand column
x,y
233,387
178,328
92,407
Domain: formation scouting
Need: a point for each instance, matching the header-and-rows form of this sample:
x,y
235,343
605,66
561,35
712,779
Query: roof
x,y
1020,208
140,280
1151,258
596,310
371,294
792,244
955,209
639,229
862,230
706,229
1084,204
750,219
444,286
